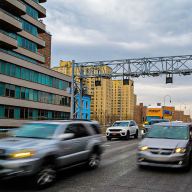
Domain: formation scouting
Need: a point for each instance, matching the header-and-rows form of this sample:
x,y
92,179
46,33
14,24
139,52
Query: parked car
x,y
40,149
167,145
122,129
148,126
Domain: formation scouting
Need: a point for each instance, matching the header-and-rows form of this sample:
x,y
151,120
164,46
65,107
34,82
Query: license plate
x,y
114,133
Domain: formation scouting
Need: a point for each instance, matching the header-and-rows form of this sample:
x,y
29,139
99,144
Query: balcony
x,y
37,23
36,56
16,7
38,7
40,42
7,40
9,21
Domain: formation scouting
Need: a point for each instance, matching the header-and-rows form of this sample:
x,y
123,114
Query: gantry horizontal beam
x,y
153,66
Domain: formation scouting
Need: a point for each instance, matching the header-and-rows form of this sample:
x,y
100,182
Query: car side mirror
x,y
66,136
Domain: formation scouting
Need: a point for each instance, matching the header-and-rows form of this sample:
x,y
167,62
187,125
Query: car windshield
x,y
36,130
149,118
169,132
156,121
121,124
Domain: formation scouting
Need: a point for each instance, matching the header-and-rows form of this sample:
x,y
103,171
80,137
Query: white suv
x,y
122,129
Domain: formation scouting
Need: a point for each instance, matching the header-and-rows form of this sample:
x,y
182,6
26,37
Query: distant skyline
x,y
90,30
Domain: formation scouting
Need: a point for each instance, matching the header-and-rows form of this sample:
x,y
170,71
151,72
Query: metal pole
x,y
73,89
164,102
165,97
81,93
121,86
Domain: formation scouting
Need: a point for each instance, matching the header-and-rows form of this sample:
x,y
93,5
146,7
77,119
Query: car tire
x,y
108,138
140,167
127,137
136,134
94,160
45,177
187,166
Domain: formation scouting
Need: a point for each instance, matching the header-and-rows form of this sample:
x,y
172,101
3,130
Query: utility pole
x,y
73,90
121,102
81,93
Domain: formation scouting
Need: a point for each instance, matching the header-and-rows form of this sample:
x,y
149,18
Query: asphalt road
x,y
118,173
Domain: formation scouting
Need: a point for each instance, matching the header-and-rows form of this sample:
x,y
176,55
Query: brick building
x,y
46,51
140,113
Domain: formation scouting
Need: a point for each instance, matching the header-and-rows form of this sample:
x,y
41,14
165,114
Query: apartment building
x,y
101,95
110,99
124,99
29,89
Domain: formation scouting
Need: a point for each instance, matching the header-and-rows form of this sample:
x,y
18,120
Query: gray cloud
x,y
87,30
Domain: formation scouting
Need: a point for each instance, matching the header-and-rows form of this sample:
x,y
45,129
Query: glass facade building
x,y
29,90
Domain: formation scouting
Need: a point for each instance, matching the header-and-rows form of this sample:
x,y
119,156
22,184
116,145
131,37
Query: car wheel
x,y
140,167
108,138
94,160
136,135
45,177
188,165
128,135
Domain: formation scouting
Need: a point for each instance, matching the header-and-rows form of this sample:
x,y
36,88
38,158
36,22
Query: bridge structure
x,y
126,69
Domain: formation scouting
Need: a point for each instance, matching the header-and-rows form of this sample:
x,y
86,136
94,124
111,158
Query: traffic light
x,y
169,79
125,81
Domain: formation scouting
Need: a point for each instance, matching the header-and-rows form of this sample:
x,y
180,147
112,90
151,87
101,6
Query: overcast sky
x,y
90,30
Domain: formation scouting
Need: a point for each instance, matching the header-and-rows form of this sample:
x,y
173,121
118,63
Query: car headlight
x,y
180,150
22,154
143,148
142,132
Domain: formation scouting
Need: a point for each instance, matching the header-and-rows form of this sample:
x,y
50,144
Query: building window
x,y
33,95
32,12
9,112
29,28
33,76
27,44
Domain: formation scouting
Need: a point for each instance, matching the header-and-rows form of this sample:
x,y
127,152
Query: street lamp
x,y
183,110
165,98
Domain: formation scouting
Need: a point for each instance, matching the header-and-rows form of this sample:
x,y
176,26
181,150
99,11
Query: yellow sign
x,y
155,112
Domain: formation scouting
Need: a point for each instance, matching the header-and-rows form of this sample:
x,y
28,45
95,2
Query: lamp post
x,y
183,111
164,102
165,98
